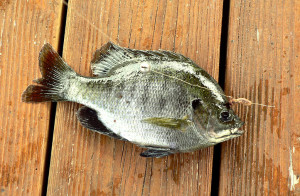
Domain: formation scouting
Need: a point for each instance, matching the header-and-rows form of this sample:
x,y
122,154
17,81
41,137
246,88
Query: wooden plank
x,y
263,66
24,27
87,163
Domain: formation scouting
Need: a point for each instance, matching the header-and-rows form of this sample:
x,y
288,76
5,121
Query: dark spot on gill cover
x,y
222,70
196,103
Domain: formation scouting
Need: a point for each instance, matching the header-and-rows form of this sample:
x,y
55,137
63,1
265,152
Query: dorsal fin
x,y
111,55
107,57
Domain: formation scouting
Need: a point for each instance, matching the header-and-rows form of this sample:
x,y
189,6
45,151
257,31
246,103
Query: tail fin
x,y
54,71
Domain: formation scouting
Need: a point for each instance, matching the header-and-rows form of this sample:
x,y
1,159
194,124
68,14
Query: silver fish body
x,y
158,100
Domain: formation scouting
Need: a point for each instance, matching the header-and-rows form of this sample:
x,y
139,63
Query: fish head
x,y
217,122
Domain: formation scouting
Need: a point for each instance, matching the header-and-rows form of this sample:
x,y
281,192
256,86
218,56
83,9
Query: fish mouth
x,y
232,133
236,131
226,135
218,136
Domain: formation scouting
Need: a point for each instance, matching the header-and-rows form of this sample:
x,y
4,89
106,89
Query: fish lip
x,y
236,131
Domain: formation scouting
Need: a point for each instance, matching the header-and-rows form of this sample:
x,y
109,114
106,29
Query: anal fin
x,y
89,119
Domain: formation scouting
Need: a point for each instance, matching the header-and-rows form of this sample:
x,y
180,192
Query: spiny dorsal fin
x,y
111,55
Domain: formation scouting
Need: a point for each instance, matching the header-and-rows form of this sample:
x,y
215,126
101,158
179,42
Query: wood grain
x,y
263,66
84,162
24,27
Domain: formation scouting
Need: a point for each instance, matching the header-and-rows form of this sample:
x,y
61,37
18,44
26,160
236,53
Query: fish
x,y
159,100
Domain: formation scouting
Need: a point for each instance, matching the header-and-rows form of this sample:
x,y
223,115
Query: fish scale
x,y
131,117
158,100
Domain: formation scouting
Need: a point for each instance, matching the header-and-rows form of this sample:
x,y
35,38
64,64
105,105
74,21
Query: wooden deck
x,y
252,46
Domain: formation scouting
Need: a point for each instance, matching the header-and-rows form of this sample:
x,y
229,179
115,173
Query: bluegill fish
x,y
159,100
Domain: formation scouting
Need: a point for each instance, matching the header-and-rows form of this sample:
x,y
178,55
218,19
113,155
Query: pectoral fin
x,y
172,123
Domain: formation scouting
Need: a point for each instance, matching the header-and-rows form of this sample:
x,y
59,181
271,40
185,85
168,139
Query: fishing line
x,y
145,68
232,100
91,24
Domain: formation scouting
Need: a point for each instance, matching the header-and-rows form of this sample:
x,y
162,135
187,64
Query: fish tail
x,y
54,74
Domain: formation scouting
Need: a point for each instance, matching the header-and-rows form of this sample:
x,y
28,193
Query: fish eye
x,y
225,116
196,103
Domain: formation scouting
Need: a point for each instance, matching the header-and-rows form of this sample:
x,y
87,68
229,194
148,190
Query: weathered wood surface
x,y
84,162
24,27
263,65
